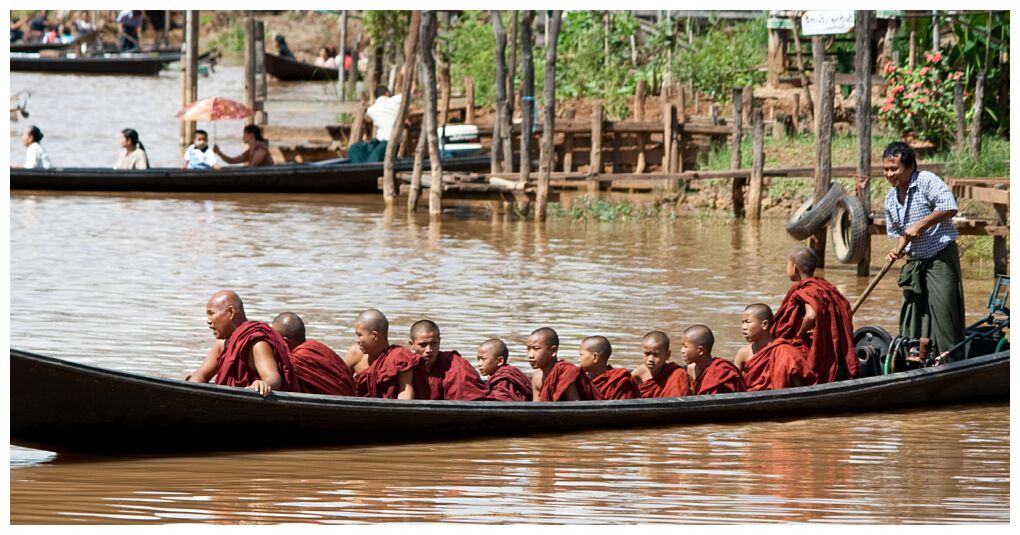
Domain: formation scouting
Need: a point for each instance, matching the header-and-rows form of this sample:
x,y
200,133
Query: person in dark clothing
x,y
282,49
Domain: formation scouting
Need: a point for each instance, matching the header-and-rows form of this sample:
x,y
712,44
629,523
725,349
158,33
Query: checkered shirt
x,y
925,194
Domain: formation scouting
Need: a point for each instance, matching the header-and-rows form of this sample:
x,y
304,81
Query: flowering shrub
x,y
919,103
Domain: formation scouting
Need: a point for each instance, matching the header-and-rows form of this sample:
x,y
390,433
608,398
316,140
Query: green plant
x,y
920,101
726,56
230,40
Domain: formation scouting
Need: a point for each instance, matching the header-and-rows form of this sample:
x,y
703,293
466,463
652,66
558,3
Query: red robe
x,y
720,377
380,379
233,367
772,367
833,336
671,382
560,377
508,383
616,383
320,370
452,377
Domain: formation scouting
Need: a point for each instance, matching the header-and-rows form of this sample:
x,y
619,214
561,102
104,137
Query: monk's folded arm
x,y
265,364
571,394
809,320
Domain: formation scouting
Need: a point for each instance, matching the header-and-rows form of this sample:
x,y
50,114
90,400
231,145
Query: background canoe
x,y
114,64
289,69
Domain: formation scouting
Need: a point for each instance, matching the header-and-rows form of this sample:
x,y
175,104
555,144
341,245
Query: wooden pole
x,y
548,153
823,148
358,123
756,186
444,90
352,73
261,89
679,116
249,65
961,116
595,167
340,87
527,94
804,83
912,54
469,94
936,32
974,142
639,115
508,139
189,91
496,155
414,192
427,38
862,66
667,132
818,59
390,188
774,58
737,192
796,112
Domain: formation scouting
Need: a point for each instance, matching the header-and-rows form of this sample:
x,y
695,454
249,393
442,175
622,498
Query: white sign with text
x,y
826,22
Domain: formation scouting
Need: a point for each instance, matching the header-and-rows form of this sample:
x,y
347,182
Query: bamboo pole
x,y
548,153
823,148
862,66
756,186
390,189
737,188
427,35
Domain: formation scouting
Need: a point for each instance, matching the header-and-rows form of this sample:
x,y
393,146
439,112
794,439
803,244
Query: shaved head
x,y
373,320
225,298
424,327
760,311
496,347
805,259
598,344
548,335
657,338
700,335
223,313
290,327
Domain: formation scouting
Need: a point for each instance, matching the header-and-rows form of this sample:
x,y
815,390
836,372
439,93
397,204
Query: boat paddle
x,y
874,282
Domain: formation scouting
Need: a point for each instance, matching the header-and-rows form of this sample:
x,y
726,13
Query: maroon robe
x,y
831,340
233,369
560,377
452,377
774,365
380,379
616,383
671,382
719,377
508,383
320,370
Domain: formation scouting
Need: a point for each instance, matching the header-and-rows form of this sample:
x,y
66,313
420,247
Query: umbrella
x,y
214,109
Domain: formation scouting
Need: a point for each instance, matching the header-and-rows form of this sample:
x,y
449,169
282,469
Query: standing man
x,y
128,22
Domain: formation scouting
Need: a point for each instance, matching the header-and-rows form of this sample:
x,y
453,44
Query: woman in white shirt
x,y
35,155
133,156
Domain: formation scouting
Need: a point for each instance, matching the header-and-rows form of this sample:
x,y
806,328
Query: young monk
x,y
658,377
815,312
769,363
246,353
506,382
383,370
709,374
450,375
556,380
613,383
318,368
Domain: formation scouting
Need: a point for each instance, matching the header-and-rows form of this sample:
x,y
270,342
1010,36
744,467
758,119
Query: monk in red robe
x,y
246,353
613,383
556,380
450,375
816,313
506,382
709,375
383,370
658,377
318,368
769,363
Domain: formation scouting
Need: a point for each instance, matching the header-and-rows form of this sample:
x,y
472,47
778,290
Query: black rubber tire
x,y
849,229
871,350
809,218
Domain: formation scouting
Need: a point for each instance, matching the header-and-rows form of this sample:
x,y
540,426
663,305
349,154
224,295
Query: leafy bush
x,y
726,56
920,102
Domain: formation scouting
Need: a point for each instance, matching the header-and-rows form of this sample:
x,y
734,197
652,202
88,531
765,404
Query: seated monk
x,y
709,374
658,377
318,368
246,353
613,383
450,375
816,313
556,380
769,363
383,370
506,382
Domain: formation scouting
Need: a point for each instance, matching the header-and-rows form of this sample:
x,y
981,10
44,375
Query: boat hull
x,y
290,70
142,66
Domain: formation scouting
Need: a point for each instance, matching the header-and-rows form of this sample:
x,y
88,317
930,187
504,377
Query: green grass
x,y
584,208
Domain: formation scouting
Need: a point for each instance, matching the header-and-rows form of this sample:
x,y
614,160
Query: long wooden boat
x,y
320,177
289,69
63,406
127,64
40,46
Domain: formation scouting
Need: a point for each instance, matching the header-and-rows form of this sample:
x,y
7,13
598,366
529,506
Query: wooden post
x,y
804,83
508,138
974,142
961,116
527,94
818,59
390,188
414,192
912,57
1000,255
249,65
595,167
776,57
681,105
936,32
748,100
568,152
756,186
862,66
340,88
639,116
375,67
498,133
352,73
469,94
886,54
189,89
261,89
427,65
735,151
547,156
444,90
823,147
667,132
796,112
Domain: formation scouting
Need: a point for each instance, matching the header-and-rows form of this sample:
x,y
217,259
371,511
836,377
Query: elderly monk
x,y
613,383
658,377
383,370
816,313
246,353
318,368
709,374
450,375
506,382
556,380
769,363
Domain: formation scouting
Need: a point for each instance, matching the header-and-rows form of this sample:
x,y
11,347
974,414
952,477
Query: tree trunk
x,y
428,82
756,186
974,142
527,94
498,133
805,84
548,154
407,73
961,116
737,188
823,147
639,116
508,138
414,192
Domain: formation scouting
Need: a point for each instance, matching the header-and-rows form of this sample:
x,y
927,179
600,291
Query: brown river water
x,y
121,281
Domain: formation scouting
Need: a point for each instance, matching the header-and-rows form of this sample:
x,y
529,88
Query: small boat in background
x,y
140,64
291,70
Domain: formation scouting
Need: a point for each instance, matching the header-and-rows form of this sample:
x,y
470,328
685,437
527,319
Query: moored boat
x,y
290,69
126,64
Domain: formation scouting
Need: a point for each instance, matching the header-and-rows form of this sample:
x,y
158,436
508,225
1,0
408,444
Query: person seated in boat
x,y
709,375
612,383
128,23
381,369
325,58
658,376
37,27
35,155
256,152
769,363
133,155
199,155
556,380
506,382
450,375
248,354
318,368
282,49
816,313
383,114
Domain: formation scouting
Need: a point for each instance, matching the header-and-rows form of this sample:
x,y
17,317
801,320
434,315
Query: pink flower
x,y
922,100
936,58
890,100
898,89
915,85
908,96
886,107
890,68
923,71
926,91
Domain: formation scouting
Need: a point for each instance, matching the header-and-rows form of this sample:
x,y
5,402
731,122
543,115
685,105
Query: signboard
x,y
826,22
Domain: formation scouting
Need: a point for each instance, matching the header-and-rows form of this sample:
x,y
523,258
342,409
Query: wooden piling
x,y
639,115
508,139
469,95
862,67
261,87
189,82
974,141
547,155
340,86
527,94
737,192
595,166
427,36
1000,255
912,54
352,73
796,113
804,83
756,185
249,65
667,127
678,116
414,192
961,116
390,189
498,132
823,148
818,60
